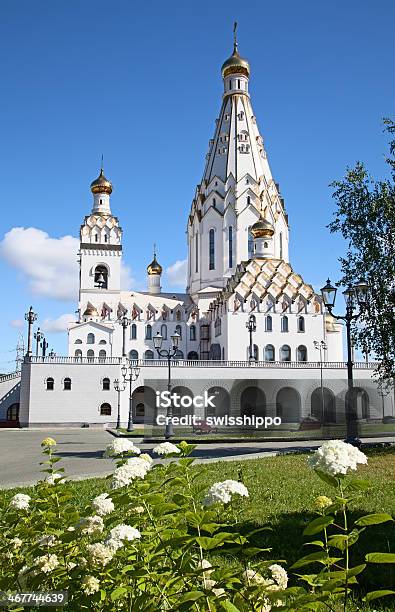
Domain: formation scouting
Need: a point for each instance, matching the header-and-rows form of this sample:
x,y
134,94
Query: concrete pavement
x,y
81,451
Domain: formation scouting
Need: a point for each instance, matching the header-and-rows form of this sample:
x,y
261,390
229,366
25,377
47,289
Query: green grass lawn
x,y
282,491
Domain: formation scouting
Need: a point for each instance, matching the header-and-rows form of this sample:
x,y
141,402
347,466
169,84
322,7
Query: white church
x,y
238,272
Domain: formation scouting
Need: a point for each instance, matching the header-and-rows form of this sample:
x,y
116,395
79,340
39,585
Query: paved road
x,y
82,449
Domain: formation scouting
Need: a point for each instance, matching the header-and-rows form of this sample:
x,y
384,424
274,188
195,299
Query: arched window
x,y
90,339
148,332
284,324
230,247
140,410
90,354
102,354
192,332
133,355
148,354
133,331
281,245
105,409
301,326
101,277
78,354
179,331
163,331
67,384
268,323
50,384
250,244
193,356
78,341
214,202
103,342
211,249
13,412
106,384
269,352
196,252
285,353
248,199
179,355
302,353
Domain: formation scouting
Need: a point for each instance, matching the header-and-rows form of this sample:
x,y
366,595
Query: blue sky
x,y
140,83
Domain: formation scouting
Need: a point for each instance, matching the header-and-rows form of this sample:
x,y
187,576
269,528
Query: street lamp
x,y
353,295
251,326
134,373
119,386
169,354
125,322
30,317
44,345
38,336
321,346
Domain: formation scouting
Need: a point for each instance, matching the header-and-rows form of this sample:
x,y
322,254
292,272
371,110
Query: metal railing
x,y
10,376
184,363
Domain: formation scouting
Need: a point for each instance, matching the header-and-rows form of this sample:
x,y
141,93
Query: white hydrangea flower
x,y
336,457
146,457
166,448
253,577
16,543
221,492
91,524
205,565
90,585
138,509
47,563
47,540
99,553
119,446
20,501
71,565
103,504
54,478
119,534
279,575
132,469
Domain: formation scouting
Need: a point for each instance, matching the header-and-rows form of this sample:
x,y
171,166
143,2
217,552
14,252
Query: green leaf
x,y
318,525
330,480
373,519
354,571
228,606
376,594
319,557
378,557
339,541
191,596
359,485
117,593
314,543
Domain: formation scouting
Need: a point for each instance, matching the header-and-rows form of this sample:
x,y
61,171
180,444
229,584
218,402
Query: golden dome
x,y
91,312
101,184
262,228
154,268
235,64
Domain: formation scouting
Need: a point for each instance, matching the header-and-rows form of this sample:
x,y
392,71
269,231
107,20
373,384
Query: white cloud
x,y
17,323
177,274
48,264
58,325
127,281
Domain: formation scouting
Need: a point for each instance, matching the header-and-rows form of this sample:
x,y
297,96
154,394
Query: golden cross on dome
x,y
235,35
154,249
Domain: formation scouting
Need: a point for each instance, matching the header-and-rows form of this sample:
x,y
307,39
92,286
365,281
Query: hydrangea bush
x,y
150,542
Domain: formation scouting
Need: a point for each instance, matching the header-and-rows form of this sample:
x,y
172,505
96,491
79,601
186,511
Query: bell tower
x,y
100,249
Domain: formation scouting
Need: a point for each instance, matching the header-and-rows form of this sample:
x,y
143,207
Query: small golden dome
x,y
235,64
101,184
154,268
262,228
91,312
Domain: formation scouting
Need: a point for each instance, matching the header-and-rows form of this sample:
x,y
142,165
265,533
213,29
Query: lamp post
x,y
52,354
125,322
353,295
38,336
30,317
321,346
44,345
169,354
251,326
119,386
134,373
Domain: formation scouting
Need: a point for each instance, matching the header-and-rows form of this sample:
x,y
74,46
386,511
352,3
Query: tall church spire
x,y
237,188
